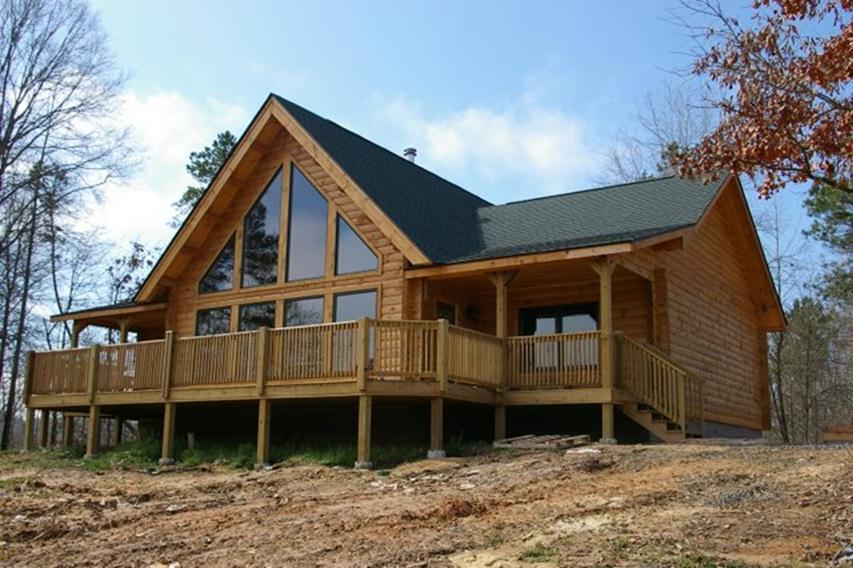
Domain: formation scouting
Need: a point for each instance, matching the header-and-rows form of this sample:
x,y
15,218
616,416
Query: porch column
x,y
501,281
263,444
76,329
123,328
436,428
93,435
67,430
44,429
365,410
168,446
28,428
604,268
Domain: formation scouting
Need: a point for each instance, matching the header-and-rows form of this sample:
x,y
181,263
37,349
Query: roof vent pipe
x,y
410,154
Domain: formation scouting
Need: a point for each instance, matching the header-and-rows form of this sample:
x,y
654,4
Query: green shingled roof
x,y
450,224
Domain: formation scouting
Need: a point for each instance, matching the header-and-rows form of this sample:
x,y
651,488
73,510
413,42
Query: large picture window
x,y
261,228
213,321
254,316
219,276
303,311
306,249
351,253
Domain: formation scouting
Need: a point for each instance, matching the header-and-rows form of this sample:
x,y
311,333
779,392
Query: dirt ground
x,y
695,504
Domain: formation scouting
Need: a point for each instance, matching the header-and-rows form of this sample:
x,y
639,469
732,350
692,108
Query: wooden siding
x,y
387,280
713,327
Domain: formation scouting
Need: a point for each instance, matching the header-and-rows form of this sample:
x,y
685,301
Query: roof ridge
x,y
588,190
384,149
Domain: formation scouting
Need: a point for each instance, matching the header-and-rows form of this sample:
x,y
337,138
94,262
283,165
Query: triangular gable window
x,y
261,228
352,254
219,276
306,248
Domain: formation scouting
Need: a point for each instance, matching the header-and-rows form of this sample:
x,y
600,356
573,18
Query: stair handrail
x,y
657,381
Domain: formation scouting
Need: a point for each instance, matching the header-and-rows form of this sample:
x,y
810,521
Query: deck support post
x,y
263,449
500,422
93,434
28,428
67,431
123,328
76,329
365,410
44,429
436,429
604,267
117,433
168,446
167,363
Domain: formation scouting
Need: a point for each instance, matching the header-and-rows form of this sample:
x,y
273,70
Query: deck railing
x,y
563,360
131,366
404,349
60,372
474,358
657,381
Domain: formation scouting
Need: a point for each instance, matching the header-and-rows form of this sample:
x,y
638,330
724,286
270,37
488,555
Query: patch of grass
x,y
135,454
538,553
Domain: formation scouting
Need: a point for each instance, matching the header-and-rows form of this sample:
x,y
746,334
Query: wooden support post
x,y
92,380
608,435
167,454
167,363
123,328
44,429
67,431
28,428
442,354
362,354
93,434
500,422
117,433
261,361
501,281
76,329
264,409
365,410
604,268
436,428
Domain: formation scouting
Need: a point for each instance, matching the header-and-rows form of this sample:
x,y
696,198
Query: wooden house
x,y
318,265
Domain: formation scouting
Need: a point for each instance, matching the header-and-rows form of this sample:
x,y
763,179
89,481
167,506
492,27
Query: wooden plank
x,y
542,442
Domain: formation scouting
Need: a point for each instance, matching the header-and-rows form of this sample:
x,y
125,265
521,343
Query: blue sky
x,y
509,99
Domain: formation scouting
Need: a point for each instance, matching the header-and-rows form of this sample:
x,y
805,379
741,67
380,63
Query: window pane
x,y
354,306
213,321
254,316
579,322
351,254
306,250
218,276
305,311
261,228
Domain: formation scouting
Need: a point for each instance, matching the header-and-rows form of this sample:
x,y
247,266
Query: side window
x,y
444,310
306,231
218,276
254,316
261,228
351,253
213,321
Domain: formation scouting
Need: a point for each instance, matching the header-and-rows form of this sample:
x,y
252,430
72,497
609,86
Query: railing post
x,y
167,363
261,362
442,354
362,352
29,375
94,354
28,428
681,388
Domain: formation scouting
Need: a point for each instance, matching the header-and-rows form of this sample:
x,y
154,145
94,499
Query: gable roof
x,y
419,202
450,224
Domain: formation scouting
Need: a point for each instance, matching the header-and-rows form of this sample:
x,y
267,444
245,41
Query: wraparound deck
x,y
363,359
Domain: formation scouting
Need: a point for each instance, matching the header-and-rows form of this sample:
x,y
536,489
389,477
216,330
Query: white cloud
x,y
165,127
541,147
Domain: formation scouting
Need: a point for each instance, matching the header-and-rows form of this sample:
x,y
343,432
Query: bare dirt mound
x,y
685,505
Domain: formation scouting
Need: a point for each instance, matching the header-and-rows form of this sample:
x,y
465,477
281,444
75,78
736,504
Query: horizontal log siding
x,y
713,324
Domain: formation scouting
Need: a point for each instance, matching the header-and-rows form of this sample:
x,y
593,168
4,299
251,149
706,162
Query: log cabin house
x,y
319,266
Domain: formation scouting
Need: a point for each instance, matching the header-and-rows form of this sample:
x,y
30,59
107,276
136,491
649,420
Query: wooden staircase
x,y
667,400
